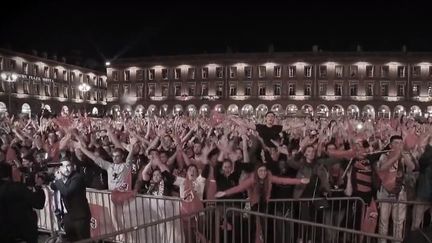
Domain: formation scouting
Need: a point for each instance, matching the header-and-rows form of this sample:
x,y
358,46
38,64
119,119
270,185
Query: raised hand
x,y
220,194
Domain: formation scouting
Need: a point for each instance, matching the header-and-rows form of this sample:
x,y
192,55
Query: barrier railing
x,y
259,229
185,228
107,216
398,217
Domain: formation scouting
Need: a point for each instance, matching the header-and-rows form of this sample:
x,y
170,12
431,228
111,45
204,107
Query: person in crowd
x,y
18,220
72,188
393,165
259,187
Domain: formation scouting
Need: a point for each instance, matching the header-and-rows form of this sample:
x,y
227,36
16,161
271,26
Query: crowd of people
x,y
222,157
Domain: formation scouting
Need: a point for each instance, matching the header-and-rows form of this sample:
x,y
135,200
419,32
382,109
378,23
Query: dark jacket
x,y
17,218
73,193
424,182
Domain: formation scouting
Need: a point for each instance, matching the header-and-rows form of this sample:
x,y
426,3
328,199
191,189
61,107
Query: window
x,y
165,90
164,74
248,72
139,92
191,89
177,89
291,89
12,64
55,74
25,68
384,89
233,72
139,74
338,90
46,72
47,90
416,71
430,89
248,90
430,71
177,73
416,89
126,75
219,89
65,91
353,89
323,89
1,63
35,70
56,91
114,74
65,77
151,74
233,90
126,90
401,71
205,72
115,91
339,71
262,90
323,71
276,89
353,71
72,75
291,71
308,89
36,89
401,90
277,71
191,73
204,89
73,92
26,87
385,71
369,89
370,71
308,71
220,72
81,77
261,71
151,90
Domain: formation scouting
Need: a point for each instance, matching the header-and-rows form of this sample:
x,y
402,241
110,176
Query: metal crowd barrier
x,y
343,212
186,228
260,228
409,215
107,216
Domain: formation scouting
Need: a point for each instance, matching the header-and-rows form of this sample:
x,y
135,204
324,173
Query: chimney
x,y
359,48
63,59
34,52
315,48
404,49
45,54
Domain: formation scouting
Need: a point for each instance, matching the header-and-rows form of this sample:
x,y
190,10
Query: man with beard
x,y
73,192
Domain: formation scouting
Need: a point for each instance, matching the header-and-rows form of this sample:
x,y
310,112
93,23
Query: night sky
x,y
90,32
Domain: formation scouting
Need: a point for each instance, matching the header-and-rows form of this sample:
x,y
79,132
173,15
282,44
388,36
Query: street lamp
x,y
10,78
84,88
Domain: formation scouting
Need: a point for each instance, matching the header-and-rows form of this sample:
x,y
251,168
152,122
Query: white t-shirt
x,y
198,186
118,174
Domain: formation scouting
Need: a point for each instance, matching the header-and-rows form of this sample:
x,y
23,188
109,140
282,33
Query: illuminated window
x,y
339,71
291,71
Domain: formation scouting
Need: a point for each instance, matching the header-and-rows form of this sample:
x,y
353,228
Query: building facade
x,y
29,83
320,83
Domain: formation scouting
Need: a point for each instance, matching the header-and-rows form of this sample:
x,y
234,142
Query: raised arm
x,y
288,181
99,161
243,123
